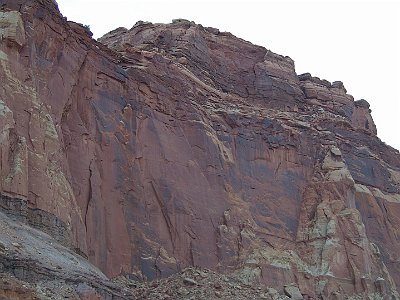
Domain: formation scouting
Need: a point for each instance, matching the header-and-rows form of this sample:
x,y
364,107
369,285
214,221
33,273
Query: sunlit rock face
x,y
173,145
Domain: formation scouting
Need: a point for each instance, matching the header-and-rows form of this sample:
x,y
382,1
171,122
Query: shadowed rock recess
x,y
175,161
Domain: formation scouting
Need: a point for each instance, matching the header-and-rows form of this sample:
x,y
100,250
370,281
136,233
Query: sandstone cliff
x,y
174,145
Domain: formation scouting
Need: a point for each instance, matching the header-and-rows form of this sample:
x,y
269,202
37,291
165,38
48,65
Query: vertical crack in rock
x,y
164,211
90,196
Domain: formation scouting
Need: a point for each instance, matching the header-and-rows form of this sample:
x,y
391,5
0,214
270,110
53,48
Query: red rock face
x,y
182,146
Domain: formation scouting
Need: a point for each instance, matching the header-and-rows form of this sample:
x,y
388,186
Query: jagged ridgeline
x,y
127,160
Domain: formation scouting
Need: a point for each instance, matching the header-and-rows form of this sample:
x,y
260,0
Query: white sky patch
x,y
357,42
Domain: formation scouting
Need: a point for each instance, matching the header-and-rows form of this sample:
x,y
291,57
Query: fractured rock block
x,y
12,28
361,117
13,156
16,181
365,282
293,292
380,285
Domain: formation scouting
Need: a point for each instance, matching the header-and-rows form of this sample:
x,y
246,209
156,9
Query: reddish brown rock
x,y
361,117
174,145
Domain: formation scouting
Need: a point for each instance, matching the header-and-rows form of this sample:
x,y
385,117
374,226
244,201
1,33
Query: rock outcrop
x,y
168,146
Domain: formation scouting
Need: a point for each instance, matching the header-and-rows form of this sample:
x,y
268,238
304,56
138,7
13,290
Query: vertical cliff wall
x,y
167,146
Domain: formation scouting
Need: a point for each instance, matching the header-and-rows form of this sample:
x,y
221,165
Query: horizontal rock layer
x,y
173,145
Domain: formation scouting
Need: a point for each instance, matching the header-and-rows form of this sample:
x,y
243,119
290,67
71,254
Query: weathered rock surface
x,y
173,145
35,266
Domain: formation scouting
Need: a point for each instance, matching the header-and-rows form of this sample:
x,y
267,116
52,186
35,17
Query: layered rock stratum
x,y
175,161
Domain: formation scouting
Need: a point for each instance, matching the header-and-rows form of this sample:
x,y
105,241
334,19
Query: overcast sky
x,y
357,42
